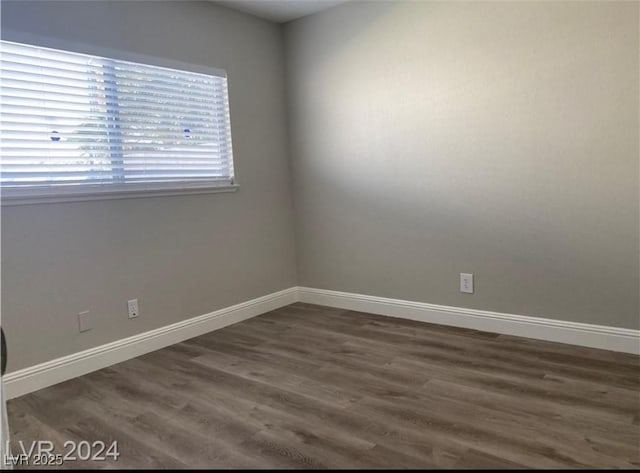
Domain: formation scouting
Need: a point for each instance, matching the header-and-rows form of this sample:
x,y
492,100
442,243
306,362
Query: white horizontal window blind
x,y
73,123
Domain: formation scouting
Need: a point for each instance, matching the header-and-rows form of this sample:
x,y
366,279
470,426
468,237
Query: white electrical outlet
x,y
466,283
133,308
84,321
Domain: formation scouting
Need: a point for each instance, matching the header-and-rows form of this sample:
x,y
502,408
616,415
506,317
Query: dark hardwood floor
x,y
311,387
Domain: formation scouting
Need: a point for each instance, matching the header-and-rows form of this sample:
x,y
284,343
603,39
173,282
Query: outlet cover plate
x,y
466,283
84,321
132,307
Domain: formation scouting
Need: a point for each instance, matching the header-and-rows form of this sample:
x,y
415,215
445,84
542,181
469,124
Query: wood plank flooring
x,y
312,387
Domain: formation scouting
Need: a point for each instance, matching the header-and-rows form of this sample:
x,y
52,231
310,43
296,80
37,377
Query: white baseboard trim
x,y
56,371
573,333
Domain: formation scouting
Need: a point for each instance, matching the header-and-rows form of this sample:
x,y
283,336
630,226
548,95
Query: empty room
x,y
307,234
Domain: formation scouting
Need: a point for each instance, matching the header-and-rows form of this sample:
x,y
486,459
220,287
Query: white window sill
x,y
10,198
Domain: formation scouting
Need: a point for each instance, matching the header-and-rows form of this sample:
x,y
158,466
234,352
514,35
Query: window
x,y
75,124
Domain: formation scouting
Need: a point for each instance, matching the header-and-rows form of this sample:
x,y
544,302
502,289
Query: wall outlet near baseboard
x,y
132,306
84,321
466,283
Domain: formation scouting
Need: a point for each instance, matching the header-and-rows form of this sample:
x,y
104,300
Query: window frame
x,y
88,192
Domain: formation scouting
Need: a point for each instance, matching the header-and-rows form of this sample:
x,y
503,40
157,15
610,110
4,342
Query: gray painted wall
x,y
430,139
180,256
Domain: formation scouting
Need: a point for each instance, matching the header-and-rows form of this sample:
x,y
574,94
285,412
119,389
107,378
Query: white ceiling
x,y
279,10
